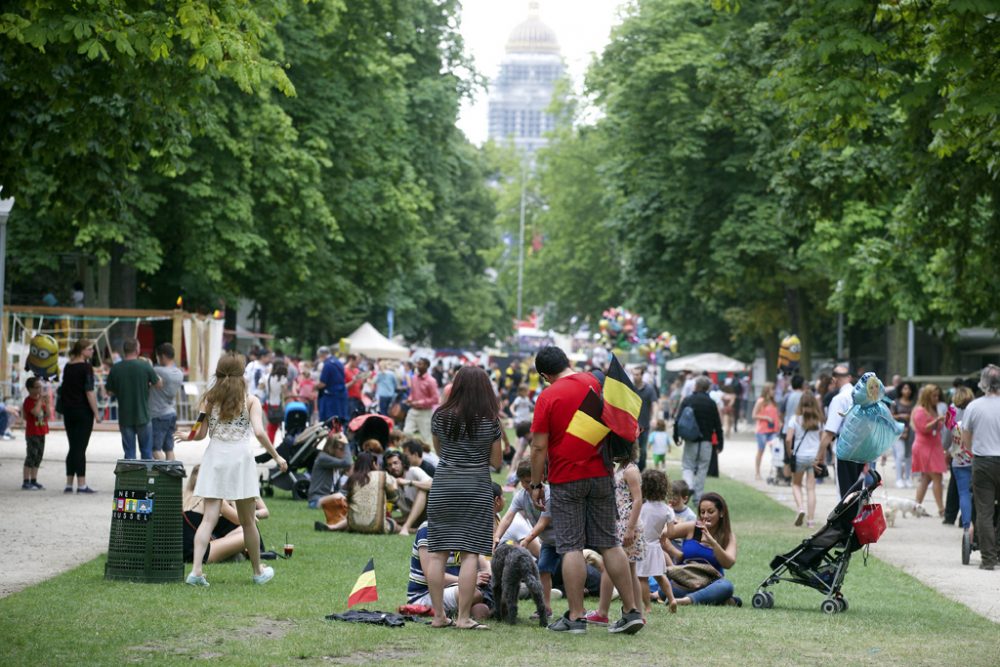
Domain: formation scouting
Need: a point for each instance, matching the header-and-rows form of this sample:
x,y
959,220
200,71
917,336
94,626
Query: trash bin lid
x,y
169,468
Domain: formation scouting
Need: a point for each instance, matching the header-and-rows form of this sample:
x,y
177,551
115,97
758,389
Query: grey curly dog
x,y
512,565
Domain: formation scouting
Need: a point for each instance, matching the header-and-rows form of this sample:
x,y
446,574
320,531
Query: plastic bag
x,y
868,430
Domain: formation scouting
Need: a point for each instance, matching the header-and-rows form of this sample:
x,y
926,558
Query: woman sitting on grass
x,y
368,489
227,537
709,540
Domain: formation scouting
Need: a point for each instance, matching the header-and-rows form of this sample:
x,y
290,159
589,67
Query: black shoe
x,y
322,527
630,623
986,566
86,489
268,555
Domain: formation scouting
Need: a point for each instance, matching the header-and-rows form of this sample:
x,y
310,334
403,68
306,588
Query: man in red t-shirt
x,y
582,495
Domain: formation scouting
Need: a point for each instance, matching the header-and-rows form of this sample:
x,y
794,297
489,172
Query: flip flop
x,y
476,625
449,624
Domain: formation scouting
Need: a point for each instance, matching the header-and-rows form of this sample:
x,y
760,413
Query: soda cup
x,y
289,548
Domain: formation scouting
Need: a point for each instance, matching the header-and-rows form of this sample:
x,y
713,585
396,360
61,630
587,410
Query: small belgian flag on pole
x,y
364,589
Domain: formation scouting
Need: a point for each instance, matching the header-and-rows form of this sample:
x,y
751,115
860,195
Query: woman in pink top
x,y
928,455
765,413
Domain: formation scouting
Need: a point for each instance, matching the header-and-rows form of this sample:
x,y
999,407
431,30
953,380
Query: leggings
x,y
79,424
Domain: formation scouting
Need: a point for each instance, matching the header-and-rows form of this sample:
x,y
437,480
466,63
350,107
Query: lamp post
x,y
5,208
520,246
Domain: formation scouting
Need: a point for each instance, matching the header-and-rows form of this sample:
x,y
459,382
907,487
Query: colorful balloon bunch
x,y
621,329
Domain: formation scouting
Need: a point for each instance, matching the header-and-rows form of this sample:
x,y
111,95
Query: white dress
x,y
228,469
653,516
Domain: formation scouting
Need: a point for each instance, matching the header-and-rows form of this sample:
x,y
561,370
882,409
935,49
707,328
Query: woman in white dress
x,y
228,469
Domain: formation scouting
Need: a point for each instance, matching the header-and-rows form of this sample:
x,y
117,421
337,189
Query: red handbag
x,y
869,524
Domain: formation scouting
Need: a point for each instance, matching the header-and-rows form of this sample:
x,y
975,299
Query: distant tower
x,y
523,90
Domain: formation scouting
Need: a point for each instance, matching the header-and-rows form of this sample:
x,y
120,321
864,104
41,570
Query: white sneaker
x,y
266,575
908,483
556,594
900,484
196,580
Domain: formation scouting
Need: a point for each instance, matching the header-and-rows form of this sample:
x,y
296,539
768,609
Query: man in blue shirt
x,y
331,386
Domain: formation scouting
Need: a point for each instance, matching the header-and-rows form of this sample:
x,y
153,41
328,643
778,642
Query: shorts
x,y
450,599
659,458
549,559
163,433
762,440
34,450
584,513
804,463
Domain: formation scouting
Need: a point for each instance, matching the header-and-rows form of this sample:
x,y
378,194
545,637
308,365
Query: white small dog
x,y
902,506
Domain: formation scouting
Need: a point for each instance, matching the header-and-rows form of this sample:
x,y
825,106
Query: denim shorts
x,y
548,559
163,433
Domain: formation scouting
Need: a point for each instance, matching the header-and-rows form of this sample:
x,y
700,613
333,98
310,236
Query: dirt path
x,y
48,532
923,548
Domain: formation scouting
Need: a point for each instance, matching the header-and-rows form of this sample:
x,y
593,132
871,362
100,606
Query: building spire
x,y
533,9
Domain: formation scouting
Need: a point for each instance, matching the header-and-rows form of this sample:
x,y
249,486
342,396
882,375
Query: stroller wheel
x,y
966,546
269,491
770,599
301,489
830,606
759,600
842,602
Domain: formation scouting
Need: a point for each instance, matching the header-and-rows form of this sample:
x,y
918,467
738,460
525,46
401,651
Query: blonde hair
x,y
962,397
229,390
926,399
767,392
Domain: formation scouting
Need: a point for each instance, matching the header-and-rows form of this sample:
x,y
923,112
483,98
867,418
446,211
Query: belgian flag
x,y
586,423
621,403
364,588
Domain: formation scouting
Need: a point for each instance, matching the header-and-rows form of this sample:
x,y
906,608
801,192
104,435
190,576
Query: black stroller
x,y
298,448
969,541
368,427
821,561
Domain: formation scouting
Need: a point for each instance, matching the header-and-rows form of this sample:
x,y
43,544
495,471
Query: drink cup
x,y
289,548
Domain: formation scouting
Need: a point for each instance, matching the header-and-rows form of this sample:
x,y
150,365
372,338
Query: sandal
x,y
476,625
449,624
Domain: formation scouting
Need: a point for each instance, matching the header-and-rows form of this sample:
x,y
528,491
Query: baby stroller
x,y
298,448
969,542
778,476
821,561
368,427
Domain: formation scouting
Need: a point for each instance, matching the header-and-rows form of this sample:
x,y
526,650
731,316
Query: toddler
x,y
660,445
655,514
36,413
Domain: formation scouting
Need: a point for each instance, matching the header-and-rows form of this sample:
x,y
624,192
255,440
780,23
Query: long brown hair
x,y
79,346
229,391
722,531
471,402
811,412
364,464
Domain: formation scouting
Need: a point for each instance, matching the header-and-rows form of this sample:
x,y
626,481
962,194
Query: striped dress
x,y
460,505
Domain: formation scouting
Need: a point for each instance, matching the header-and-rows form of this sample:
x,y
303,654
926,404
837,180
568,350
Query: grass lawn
x,y
79,618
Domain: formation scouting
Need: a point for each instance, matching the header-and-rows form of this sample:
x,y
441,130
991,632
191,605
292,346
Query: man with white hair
x,y
981,435
848,472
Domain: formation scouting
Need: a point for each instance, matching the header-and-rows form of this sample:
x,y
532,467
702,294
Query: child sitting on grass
x,y
36,413
655,514
680,495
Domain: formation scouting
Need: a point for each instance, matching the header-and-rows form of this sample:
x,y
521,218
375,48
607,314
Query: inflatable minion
x,y
43,358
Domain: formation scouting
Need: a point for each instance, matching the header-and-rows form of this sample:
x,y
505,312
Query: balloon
x,y
43,357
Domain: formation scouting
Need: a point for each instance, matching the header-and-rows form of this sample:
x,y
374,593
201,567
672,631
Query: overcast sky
x,y
581,26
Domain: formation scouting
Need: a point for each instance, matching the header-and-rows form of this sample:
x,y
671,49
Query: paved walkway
x,y
47,532
924,548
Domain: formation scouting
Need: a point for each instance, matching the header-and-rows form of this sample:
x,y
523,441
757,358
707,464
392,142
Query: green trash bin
x,y
147,528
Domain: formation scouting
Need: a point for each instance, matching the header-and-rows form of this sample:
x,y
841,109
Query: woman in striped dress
x,y
460,514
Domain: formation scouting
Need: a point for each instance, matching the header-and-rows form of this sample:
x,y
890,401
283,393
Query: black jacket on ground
x,y
706,413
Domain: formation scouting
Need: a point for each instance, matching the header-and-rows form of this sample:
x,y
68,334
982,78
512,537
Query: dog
x,y
512,566
902,507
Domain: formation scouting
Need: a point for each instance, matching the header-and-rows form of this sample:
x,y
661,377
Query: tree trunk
x,y
896,352
805,337
772,342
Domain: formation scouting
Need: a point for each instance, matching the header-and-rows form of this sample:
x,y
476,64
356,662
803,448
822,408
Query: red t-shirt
x,y
570,458
34,425
353,390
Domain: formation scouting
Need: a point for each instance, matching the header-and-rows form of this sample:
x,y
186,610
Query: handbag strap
x,y
795,449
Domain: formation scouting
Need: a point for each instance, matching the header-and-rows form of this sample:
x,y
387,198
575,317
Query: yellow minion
x,y
43,359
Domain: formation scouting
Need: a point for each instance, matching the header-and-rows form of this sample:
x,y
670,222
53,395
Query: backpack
x,y
687,425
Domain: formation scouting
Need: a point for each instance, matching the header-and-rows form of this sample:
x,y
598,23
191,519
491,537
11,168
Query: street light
x,y
5,208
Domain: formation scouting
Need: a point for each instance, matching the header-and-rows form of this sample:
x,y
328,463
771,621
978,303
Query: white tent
x,y
368,341
710,361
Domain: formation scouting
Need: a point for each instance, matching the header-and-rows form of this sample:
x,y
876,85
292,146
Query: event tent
x,y
709,361
368,341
